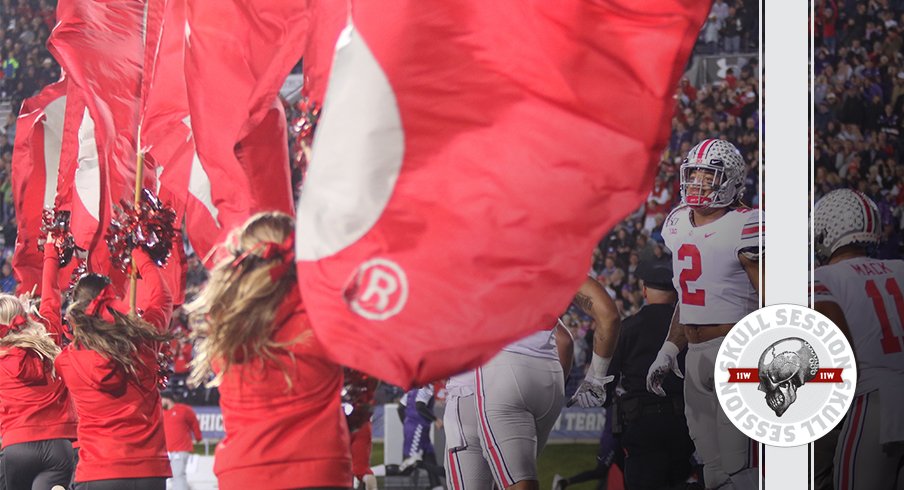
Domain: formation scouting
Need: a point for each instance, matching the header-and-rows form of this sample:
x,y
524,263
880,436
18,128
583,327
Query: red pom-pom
x,y
304,127
358,395
55,227
150,226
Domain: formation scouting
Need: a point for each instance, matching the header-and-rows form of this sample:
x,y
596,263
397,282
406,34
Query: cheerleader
x,y
37,420
111,371
279,394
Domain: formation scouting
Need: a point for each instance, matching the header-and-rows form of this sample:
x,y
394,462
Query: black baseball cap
x,y
656,274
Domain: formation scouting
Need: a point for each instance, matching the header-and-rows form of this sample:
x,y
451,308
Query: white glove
x,y
592,392
666,360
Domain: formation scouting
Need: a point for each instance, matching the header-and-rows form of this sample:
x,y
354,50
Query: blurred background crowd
x,y
859,108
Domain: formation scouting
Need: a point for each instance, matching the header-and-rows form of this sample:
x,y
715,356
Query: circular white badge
x,y
785,375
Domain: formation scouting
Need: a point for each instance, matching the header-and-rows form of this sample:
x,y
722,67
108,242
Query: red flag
x,y
36,163
469,157
165,129
99,45
237,55
328,18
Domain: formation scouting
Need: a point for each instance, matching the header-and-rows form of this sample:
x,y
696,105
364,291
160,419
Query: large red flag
x,y
164,123
36,163
469,157
237,55
99,45
166,133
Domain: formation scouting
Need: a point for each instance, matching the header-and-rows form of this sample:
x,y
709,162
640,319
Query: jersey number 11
x,y
891,344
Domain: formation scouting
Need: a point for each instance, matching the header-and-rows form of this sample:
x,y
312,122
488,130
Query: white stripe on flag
x,y
87,173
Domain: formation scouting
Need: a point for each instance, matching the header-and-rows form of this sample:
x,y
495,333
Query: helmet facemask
x,y
704,186
712,175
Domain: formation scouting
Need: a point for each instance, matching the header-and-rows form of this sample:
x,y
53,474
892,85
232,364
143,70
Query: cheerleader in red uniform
x,y
279,395
37,420
111,371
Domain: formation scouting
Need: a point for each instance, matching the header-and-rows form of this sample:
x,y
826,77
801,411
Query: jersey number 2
x,y
697,297
891,343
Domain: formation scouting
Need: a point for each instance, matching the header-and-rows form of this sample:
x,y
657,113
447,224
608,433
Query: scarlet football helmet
x,y
844,217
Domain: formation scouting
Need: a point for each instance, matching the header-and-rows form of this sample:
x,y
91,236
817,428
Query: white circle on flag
x,y
379,289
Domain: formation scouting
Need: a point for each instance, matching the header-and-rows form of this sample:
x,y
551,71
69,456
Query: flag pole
x,y
139,177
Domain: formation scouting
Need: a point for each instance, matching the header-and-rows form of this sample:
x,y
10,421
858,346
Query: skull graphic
x,y
784,367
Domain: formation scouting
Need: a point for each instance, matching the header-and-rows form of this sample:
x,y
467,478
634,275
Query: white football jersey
x,y
463,384
540,344
870,292
712,286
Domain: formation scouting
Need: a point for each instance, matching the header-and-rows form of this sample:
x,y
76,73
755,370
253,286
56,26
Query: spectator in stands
x,y
7,281
180,424
731,31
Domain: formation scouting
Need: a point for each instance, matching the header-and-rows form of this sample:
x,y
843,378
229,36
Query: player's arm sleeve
x,y
752,235
819,290
666,235
825,302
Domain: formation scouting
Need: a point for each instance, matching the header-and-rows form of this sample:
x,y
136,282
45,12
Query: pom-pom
x,y
304,127
358,395
55,227
164,366
80,269
150,226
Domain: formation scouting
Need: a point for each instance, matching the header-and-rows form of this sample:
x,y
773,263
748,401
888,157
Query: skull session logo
x,y
785,375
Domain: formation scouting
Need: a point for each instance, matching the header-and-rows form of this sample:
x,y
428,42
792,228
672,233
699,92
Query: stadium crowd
x,y
859,108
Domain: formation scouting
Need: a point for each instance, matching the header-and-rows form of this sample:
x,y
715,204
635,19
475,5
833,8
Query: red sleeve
x,y
51,303
154,298
19,363
193,422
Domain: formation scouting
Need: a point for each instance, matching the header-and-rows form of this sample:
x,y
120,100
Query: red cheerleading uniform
x,y
120,418
34,404
282,437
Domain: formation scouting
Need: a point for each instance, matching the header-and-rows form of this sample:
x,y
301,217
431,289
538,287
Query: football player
x,y
716,254
520,392
863,296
